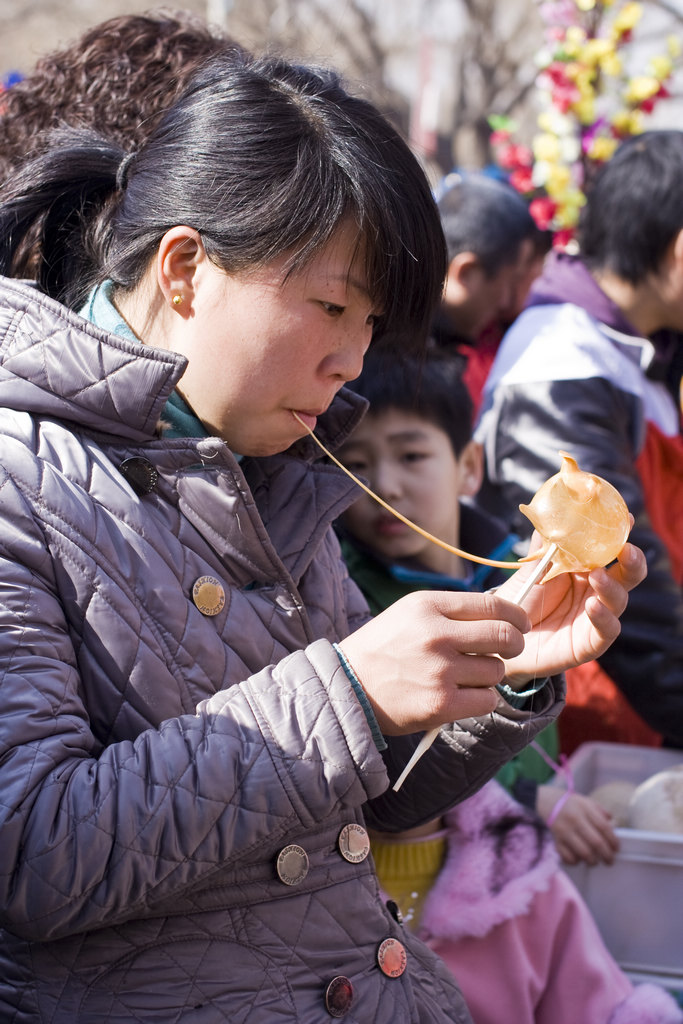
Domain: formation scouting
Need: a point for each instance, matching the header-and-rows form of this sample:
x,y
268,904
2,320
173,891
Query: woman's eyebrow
x,y
357,283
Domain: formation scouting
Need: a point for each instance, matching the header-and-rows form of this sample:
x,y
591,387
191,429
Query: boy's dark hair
x,y
119,78
485,217
634,206
263,158
429,386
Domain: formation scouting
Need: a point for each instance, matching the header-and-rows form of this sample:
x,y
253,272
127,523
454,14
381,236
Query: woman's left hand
x,y
575,616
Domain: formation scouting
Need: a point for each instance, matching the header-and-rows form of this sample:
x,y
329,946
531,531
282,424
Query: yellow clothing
x,y
407,869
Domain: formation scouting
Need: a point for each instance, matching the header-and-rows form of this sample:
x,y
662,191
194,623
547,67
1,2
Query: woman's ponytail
x,y
55,214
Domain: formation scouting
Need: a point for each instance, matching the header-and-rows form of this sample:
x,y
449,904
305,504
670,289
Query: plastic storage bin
x,y
637,901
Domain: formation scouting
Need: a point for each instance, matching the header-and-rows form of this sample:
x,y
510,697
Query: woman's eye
x,y
414,456
332,308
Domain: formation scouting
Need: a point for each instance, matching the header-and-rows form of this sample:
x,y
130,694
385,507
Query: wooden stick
x,y
429,737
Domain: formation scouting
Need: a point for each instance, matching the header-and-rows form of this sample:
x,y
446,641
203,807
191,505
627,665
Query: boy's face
x,y
473,299
410,463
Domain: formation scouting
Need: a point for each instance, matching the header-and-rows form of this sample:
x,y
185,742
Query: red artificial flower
x,y
520,179
511,157
542,209
557,72
562,238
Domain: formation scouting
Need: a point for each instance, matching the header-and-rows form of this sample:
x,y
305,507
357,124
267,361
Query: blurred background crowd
x,y
540,90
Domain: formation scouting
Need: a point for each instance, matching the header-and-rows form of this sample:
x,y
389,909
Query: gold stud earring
x,y
176,300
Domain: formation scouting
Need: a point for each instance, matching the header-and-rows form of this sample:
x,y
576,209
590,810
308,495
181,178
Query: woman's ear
x,y
180,253
471,469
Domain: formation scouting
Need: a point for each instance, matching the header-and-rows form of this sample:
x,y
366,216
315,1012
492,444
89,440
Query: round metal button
x,y
339,996
292,864
140,474
392,958
208,595
354,843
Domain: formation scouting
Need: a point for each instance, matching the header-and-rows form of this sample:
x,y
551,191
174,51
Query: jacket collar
x,y
499,857
566,278
54,363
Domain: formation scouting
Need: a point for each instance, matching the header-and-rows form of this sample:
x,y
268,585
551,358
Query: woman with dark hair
x,y
198,716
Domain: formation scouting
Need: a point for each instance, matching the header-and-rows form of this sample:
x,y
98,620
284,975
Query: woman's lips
x,y
308,419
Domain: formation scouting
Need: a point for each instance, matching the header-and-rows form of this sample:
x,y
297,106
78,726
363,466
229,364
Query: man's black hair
x,y
635,207
485,217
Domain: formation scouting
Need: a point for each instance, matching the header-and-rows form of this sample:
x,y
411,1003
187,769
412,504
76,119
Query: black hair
x,y
430,386
261,157
634,206
486,217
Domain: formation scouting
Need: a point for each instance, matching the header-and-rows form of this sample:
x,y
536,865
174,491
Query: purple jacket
x,y
182,758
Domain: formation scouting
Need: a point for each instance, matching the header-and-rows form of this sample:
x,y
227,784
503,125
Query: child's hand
x,y
434,657
582,830
575,616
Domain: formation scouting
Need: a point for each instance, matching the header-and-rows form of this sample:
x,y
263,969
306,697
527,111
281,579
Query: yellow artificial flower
x,y
628,122
558,181
641,88
611,65
555,123
584,108
627,18
673,45
567,216
661,67
602,148
585,5
569,207
584,81
595,50
546,147
575,35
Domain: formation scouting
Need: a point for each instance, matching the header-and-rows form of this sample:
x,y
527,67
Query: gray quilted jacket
x,y
158,750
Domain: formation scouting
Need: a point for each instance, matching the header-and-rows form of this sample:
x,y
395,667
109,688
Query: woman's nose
x,y
348,360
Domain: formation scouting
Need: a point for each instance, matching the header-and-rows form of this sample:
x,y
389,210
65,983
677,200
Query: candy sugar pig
x,y
582,516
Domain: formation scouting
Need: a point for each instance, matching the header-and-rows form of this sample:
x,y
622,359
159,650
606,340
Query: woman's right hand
x,y
435,657
582,830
